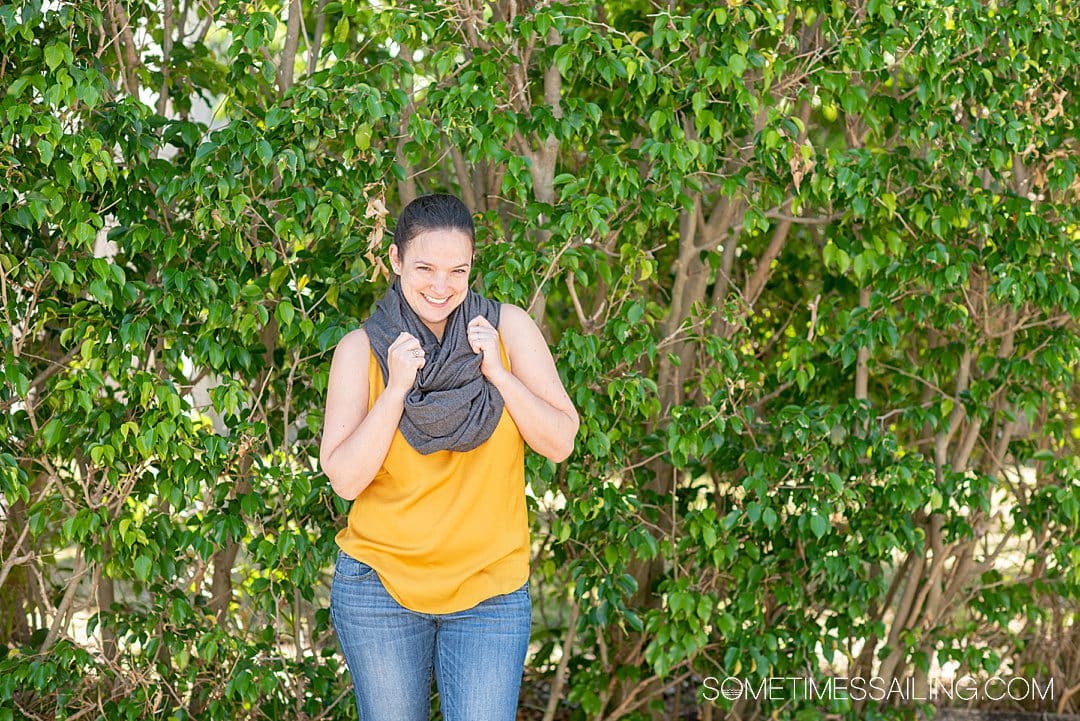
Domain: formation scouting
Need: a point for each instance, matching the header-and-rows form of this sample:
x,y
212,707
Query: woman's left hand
x,y
483,338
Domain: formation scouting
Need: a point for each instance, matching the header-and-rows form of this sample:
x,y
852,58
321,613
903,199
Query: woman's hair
x,y
438,211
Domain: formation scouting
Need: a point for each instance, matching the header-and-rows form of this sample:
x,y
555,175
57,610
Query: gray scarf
x,y
451,405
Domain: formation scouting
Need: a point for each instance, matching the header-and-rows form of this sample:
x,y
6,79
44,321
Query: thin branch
x,y
80,569
166,56
564,663
548,274
316,43
577,303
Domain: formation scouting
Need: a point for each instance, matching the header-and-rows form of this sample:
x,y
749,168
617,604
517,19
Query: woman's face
x,y
434,274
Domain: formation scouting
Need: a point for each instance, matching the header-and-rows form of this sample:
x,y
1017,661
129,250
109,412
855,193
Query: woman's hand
x,y
404,358
483,338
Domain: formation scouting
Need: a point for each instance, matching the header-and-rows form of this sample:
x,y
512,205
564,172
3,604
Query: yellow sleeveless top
x,y
447,530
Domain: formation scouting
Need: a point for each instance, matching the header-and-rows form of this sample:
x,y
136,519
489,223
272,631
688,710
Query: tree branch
x,y
292,42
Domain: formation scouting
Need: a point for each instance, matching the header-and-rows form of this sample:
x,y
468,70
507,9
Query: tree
x,y
806,268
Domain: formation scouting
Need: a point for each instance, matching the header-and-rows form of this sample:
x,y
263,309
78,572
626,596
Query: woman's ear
x,y
395,261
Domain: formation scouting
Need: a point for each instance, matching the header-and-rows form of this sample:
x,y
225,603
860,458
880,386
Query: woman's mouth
x,y
437,302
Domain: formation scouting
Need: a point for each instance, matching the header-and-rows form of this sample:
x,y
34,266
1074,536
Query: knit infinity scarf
x,y
451,405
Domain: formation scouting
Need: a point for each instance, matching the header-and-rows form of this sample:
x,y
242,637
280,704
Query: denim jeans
x,y
477,655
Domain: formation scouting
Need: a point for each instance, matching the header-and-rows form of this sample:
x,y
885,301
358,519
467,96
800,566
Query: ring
x,y
417,353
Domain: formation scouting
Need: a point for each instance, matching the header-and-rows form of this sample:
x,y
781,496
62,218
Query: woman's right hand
x,y
404,357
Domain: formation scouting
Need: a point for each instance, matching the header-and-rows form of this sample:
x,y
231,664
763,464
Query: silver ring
x,y
417,353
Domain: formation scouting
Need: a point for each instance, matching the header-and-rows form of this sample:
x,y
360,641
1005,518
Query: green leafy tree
x,y
807,270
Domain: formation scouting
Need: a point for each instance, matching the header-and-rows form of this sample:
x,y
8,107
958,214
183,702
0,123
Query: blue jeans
x,y
478,654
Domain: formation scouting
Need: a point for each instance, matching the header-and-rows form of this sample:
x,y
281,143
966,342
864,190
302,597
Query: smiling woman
x,y
435,277
430,447
432,255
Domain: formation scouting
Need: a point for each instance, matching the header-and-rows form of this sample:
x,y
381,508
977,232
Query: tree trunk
x,y
292,42
15,599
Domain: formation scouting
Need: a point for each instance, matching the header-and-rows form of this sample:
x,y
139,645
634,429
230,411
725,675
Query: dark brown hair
x,y
437,211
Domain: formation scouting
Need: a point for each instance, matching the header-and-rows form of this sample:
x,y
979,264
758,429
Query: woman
x,y
432,576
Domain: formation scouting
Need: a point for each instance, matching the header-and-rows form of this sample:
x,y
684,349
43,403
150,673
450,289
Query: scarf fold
x,y
451,405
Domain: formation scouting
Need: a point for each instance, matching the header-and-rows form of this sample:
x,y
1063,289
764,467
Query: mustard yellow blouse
x,y
447,530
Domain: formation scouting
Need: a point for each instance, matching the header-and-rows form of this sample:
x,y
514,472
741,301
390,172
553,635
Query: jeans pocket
x,y
349,569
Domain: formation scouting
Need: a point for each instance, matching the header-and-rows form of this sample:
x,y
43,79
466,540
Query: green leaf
x,y
285,312
142,568
45,149
54,54
265,152
16,87
53,431
737,65
657,121
611,555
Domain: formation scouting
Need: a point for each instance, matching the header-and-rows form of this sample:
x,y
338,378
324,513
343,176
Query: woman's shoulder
x,y
513,319
354,344
519,332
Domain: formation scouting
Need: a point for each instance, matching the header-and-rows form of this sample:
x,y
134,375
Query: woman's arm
x,y
355,442
532,390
